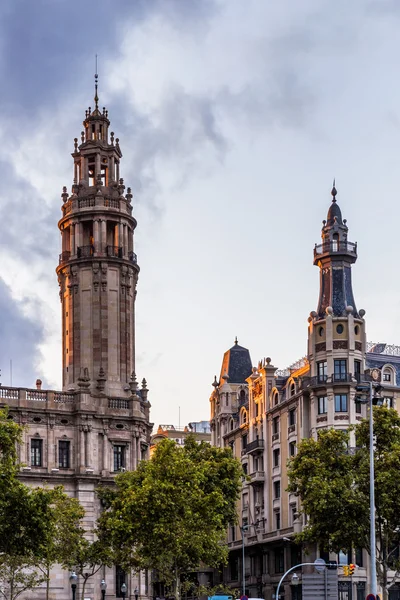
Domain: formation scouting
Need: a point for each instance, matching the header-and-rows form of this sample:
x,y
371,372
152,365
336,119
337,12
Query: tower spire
x,y
96,81
334,190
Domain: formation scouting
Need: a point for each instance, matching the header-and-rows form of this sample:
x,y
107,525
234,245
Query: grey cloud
x,y
19,340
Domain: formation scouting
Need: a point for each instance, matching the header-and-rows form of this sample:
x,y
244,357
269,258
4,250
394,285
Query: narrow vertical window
x,y
36,452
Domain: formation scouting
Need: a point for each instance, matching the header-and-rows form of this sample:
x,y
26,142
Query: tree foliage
x,y
38,526
333,485
172,513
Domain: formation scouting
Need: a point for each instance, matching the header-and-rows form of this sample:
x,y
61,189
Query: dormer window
x,y
388,375
292,389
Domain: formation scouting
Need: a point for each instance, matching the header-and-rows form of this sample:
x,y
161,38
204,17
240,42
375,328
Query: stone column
x,y
72,239
96,235
112,169
105,452
126,249
103,225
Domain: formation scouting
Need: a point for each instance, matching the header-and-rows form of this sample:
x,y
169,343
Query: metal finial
x,y
96,80
334,191
236,340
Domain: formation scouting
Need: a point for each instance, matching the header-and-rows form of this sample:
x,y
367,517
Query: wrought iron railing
x,y
114,251
84,251
257,444
64,257
336,246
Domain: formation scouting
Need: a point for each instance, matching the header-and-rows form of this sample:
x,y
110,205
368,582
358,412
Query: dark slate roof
x,y
236,364
334,211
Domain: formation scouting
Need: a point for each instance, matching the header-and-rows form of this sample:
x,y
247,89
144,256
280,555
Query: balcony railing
x,y
257,477
324,380
114,251
64,257
255,446
336,246
84,251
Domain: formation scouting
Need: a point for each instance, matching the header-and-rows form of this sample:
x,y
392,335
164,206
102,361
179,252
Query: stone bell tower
x,y
98,268
336,331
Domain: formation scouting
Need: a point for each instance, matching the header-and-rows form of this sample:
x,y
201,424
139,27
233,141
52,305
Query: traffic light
x,y
346,570
352,568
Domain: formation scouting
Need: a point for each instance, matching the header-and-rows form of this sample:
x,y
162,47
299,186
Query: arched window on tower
x,y
292,389
242,397
335,242
388,375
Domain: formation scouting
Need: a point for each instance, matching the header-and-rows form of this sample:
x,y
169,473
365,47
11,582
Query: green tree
x,y
38,526
87,556
63,533
333,486
172,513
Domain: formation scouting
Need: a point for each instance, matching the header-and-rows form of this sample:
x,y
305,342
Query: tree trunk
x,y
177,585
84,587
47,583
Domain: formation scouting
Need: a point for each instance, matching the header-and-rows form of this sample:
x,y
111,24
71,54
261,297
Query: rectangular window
x,y
322,371
244,442
279,561
386,376
359,557
233,533
277,489
322,405
276,457
292,417
357,369
358,408
119,457
340,402
36,453
256,409
63,454
275,425
278,519
292,449
120,578
388,401
340,369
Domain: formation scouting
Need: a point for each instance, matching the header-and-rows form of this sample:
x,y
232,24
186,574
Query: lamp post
x,y
103,587
73,578
243,529
370,388
123,590
295,582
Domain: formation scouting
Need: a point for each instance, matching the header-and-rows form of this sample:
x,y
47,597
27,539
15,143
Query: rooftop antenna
x,y
10,372
96,81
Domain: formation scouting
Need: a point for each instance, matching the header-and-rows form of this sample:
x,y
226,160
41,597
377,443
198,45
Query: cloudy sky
x,y
234,116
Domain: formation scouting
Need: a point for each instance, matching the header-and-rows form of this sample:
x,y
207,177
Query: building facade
x,y
99,423
199,429
268,412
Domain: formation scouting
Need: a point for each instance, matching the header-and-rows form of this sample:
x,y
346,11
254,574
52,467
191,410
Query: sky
x,y
233,117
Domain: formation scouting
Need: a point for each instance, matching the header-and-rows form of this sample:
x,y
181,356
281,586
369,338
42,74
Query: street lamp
x,y
73,578
103,587
123,590
295,582
364,388
243,529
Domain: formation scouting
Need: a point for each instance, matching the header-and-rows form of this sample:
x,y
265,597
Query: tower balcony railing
x,y
85,251
324,380
336,246
132,256
64,257
114,251
88,251
74,204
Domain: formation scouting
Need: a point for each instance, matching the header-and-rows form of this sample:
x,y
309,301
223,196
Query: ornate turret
x,y
98,268
334,258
